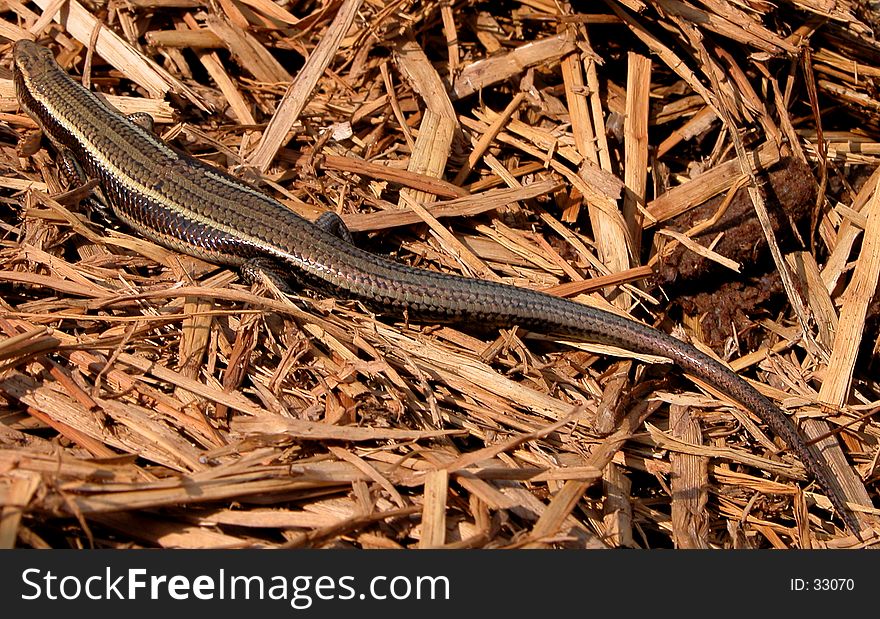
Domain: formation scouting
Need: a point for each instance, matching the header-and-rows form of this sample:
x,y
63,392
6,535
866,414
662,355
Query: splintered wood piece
x,y
12,32
200,38
214,66
160,110
486,72
14,497
294,100
150,398
112,48
589,129
847,340
458,207
249,52
436,131
706,185
433,533
667,56
270,9
635,131
689,484
486,138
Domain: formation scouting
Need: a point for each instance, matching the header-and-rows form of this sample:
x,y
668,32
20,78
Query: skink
x,y
179,202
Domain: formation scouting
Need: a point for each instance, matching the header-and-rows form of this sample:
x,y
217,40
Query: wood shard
x,y
709,169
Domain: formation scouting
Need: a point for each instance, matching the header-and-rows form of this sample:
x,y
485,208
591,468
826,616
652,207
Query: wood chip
x,y
149,398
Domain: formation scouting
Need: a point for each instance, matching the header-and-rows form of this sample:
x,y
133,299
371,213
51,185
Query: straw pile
x,y
705,165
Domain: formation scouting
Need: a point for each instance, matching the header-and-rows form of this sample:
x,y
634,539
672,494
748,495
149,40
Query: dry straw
x,y
151,399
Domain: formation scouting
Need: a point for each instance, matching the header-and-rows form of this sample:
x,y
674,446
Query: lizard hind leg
x,y
267,272
332,223
144,120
